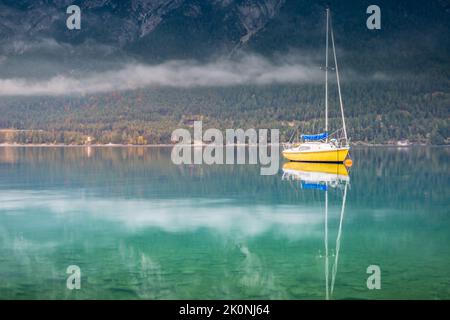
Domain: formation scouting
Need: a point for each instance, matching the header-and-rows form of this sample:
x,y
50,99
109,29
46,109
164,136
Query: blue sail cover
x,y
315,137
319,186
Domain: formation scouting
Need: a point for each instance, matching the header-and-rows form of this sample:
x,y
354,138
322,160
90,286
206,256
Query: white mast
x,y
339,86
326,78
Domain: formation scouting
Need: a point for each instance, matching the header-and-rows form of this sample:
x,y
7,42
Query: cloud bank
x,y
250,70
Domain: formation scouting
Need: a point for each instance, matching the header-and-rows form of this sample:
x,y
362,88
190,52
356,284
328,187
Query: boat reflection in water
x,y
323,176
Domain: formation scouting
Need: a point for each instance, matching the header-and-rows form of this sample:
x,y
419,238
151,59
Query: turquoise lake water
x,y
140,227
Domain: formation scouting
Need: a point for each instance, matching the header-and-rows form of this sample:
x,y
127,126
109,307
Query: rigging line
x,y
326,246
293,133
326,75
338,241
338,84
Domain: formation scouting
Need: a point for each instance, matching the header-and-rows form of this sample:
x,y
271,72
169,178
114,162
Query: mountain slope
x,y
396,81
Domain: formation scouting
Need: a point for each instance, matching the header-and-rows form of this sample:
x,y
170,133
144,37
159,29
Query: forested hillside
x,y
380,112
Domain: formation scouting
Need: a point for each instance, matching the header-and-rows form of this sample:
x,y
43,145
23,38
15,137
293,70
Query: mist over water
x,y
249,70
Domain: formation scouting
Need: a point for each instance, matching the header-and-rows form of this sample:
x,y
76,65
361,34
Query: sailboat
x,y
323,147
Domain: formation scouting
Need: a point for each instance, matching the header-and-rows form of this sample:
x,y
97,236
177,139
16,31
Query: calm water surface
x,y
140,227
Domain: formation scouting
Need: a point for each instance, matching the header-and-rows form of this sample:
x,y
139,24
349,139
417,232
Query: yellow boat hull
x,y
337,155
330,168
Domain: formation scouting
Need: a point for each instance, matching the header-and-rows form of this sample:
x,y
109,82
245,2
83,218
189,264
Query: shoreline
x,y
188,145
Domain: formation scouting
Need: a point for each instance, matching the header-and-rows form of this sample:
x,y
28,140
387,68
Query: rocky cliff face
x,y
126,23
156,30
